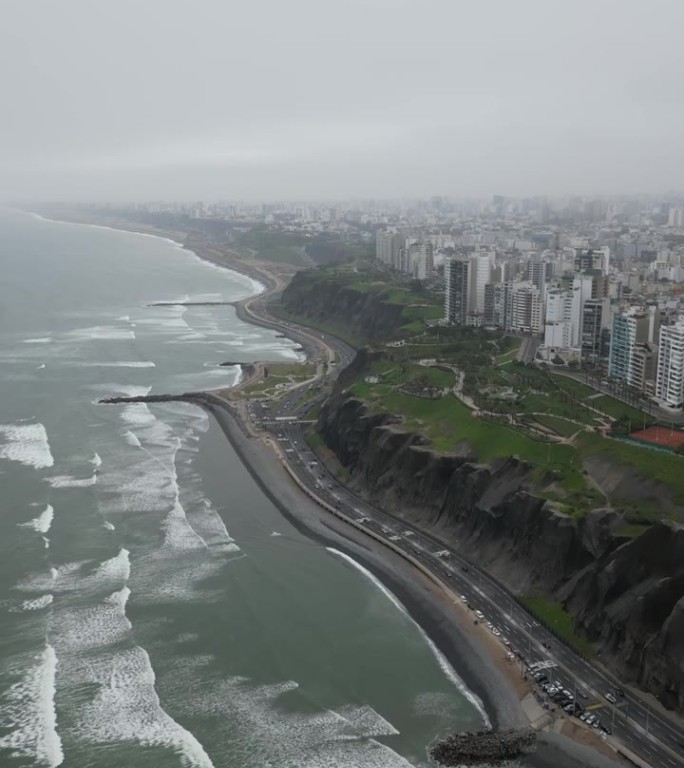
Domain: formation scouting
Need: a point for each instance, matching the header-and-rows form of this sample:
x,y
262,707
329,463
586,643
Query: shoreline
x,y
443,624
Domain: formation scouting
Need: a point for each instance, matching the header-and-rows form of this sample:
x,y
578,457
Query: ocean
x,y
155,608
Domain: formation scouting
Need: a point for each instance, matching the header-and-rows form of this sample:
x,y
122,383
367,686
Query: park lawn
x,y
559,425
553,405
508,357
668,468
554,616
617,409
299,371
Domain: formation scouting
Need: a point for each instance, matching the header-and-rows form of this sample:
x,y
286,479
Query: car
x,y
479,615
464,599
605,728
395,538
506,642
583,717
568,694
364,520
591,720
408,533
443,553
496,632
551,690
569,708
541,679
611,698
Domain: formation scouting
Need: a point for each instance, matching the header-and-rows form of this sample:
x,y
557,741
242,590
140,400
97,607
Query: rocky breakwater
x,y
366,314
627,594
484,747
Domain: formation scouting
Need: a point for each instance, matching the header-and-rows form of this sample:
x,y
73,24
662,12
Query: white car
x,y
464,599
479,615
611,698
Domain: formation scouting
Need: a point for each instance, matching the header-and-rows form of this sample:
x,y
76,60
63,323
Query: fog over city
x,y
141,99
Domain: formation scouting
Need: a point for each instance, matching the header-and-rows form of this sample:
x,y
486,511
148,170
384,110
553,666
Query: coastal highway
x,y
653,736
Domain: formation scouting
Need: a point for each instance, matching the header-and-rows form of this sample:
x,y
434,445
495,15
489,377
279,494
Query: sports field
x,y
666,436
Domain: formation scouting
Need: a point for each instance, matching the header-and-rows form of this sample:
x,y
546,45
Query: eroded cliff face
x,y
627,594
365,314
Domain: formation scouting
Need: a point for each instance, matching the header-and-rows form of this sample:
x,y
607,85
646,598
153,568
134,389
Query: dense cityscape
x,y
594,282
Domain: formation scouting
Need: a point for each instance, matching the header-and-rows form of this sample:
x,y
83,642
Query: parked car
x,y
611,698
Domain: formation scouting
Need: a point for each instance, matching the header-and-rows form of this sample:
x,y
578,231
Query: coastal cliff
x,y
627,594
368,314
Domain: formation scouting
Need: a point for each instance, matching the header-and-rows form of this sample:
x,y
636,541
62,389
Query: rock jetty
x,y
488,747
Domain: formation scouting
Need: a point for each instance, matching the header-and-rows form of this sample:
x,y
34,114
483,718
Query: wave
x,y
28,707
446,668
41,340
27,444
100,333
42,523
119,364
39,603
96,461
67,481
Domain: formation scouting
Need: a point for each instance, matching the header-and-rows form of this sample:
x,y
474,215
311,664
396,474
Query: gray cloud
x,y
337,98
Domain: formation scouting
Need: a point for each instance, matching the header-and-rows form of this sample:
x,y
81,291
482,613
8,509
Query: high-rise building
x,y
497,298
456,276
669,387
631,327
421,260
594,312
676,217
388,246
563,318
539,272
480,275
526,309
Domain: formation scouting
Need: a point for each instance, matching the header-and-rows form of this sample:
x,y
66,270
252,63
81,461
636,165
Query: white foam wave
x,y
67,481
96,460
132,439
446,668
117,568
126,707
108,526
179,534
100,333
284,738
26,443
28,709
119,364
40,367
37,604
42,523
43,340
137,413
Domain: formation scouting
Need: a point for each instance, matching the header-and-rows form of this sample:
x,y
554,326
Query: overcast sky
x,y
267,99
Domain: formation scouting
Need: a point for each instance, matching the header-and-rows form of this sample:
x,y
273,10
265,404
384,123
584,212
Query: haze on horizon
x,y
215,99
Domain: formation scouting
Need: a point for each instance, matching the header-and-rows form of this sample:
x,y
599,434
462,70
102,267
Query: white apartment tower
x,y
670,372
480,275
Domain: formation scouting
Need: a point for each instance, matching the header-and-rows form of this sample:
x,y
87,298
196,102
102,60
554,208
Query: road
x,y
655,738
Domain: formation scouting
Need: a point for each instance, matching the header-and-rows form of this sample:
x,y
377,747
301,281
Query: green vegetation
x,y
277,376
558,425
350,338
667,468
556,618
